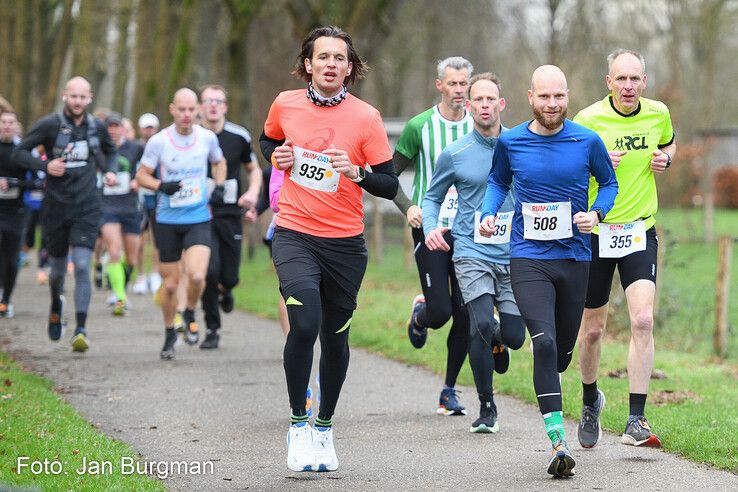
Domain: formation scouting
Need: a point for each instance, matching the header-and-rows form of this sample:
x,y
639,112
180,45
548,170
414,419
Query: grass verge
x,y
36,425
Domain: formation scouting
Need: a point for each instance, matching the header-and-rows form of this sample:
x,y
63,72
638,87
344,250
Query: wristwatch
x,y
600,215
668,160
361,176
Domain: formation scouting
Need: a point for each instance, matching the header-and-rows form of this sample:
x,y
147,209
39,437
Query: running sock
x,y
589,394
637,403
188,313
81,319
57,271
128,270
297,419
323,423
80,329
117,276
554,422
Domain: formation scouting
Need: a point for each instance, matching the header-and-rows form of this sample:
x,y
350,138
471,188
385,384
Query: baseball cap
x,y
148,120
114,118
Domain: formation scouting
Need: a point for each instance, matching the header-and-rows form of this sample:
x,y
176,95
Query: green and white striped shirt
x,y
422,141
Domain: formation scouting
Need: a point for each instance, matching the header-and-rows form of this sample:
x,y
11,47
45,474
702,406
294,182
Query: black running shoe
x,y
192,330
56,323
487,421
501,356
417,334
211,340
561,464
98,276
589,431
170,340
226,301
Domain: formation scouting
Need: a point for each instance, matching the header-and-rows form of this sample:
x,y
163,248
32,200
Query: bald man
x,y
179,155
551,159
77,145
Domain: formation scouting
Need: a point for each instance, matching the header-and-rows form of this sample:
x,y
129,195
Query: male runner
x,y
550,158
77,145
639,135
422,140
226,225
180,154
481,264
323,137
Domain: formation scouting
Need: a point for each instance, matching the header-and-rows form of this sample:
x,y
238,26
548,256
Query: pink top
x,y
275,184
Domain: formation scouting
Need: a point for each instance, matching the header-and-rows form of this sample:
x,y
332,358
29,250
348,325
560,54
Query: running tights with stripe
x,y
82,286
442,300
316,318
483,334
550,295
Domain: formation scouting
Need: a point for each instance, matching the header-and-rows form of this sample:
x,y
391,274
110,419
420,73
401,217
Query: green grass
x,y
36,423
699,413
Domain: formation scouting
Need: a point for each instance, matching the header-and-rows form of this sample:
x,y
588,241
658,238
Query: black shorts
x,y
63,226
334,266
640,265
130,222
172,239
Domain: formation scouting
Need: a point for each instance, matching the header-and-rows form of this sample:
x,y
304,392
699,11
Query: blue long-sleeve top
x,y
550,168
466,164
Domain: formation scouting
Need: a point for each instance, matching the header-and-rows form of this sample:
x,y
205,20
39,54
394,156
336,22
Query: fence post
x,y
722,298
659,264
377,232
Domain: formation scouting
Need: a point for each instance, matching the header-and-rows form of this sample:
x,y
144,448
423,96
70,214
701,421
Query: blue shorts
x,y
130,221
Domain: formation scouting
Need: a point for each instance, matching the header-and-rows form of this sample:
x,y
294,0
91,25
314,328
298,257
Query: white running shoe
x,y
112,299
154,282
325,452
300,451
140,287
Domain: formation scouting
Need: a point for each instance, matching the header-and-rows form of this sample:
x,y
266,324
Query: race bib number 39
x,y
547,221
503,221
191,193
313,170
618,240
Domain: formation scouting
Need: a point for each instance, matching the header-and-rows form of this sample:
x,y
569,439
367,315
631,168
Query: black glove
x,y
217,197
169,187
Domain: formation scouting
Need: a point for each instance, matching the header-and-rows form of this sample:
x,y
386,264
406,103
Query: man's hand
x,y
110,179
250,215
169,187
283,156
134,186
658,162
341,162
56,167
615,158
248,199
586,221
487,227
3,184
434,240
414,216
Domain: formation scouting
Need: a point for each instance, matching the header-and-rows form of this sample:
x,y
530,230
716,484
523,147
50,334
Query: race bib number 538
x,y
313,170
547,221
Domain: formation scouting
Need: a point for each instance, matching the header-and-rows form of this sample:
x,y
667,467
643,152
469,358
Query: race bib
x,y
10,194
503,221
450,205
231,190
313,170
547,221
123,186
37,195
189,194
618,240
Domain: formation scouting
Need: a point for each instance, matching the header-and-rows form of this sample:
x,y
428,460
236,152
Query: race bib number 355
x,y
313,170
618,240
449,207
547,221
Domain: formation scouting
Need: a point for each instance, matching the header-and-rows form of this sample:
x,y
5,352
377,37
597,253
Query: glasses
x,y
216,102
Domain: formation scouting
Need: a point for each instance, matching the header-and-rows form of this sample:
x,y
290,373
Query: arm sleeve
x,y
109,149
36,136
601,169
498,182
267,145
276,179
382,181
443,178
401,163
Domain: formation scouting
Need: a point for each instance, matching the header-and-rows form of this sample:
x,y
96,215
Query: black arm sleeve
x,y
401,200
263,204
382,181
43,132
268,145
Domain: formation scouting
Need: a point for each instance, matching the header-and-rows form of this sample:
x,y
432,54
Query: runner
x,y
323,137
550,158
422,140
181,153
226,226
121,229
639,135
482,265
78,144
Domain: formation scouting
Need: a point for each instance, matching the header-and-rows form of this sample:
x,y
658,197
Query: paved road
x,y
230,406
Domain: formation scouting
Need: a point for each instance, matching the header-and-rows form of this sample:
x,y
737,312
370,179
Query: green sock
x,y
323,423
117,276
296,419
554,422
